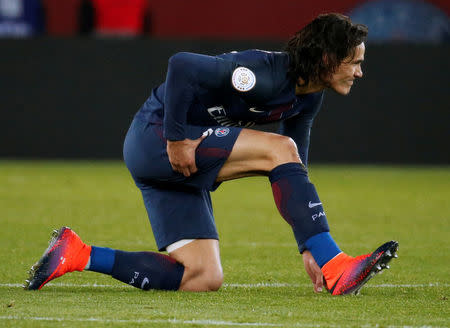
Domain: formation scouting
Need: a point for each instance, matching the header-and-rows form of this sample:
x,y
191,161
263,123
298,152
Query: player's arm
x,y
299,127
189,74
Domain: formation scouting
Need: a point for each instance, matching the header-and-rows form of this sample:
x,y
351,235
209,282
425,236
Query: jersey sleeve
x,y
188,75
299,127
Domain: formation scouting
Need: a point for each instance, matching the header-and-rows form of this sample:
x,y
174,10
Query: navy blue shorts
x,y
178,207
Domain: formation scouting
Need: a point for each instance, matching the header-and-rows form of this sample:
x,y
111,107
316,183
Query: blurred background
x,y
74,72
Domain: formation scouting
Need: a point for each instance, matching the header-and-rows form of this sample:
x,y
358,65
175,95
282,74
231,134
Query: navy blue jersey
x,y
232,89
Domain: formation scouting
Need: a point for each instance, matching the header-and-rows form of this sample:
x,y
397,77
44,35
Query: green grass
x,y
365,206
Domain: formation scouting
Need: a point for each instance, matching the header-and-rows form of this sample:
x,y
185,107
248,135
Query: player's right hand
x,y
182,155
313,271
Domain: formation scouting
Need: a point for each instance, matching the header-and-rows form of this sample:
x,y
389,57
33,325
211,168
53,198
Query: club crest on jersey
x,y
221,132
243,79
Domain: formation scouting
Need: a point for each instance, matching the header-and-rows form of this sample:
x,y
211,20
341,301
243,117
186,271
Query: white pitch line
x,y
232,285
70,285
278,285
431,284
162,321
197,322
265,284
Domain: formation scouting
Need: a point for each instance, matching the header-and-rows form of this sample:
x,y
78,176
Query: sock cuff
x,y
322,247
288,169
102,259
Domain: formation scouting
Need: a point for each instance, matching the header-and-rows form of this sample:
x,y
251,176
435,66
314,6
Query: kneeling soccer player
x,y
190,135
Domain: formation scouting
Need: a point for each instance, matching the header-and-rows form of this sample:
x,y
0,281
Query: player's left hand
x,y
313,271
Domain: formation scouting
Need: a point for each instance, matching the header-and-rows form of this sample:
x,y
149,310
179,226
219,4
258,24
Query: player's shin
x,y
144,270
298,203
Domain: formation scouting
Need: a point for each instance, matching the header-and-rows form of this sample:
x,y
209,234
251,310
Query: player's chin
x,y
343,90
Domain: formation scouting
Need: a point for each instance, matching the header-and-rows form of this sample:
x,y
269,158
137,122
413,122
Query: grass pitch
x,y
265,284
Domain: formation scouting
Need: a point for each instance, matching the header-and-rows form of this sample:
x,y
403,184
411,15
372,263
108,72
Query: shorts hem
x,y
162,245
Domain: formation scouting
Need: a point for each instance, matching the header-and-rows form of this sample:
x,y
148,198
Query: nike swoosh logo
x,y
144,282
311,205
254,110
335,284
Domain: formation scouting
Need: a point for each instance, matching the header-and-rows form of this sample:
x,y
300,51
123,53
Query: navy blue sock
x,y
144,270
147,270
299,204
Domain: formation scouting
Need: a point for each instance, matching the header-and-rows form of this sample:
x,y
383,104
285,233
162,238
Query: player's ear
x,y
327,60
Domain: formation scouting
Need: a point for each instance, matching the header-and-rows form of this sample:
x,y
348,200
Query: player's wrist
x,y
176,142
174,133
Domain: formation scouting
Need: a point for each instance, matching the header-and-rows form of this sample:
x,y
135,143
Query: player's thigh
x,y
147,160
144,151
257,153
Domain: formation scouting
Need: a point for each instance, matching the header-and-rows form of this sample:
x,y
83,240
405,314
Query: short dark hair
x,y
320,47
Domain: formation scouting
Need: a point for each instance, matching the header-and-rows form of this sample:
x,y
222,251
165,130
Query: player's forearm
x,y
300,133
299,127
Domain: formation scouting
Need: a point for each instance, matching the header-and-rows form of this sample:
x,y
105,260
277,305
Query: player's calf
x,y
299,204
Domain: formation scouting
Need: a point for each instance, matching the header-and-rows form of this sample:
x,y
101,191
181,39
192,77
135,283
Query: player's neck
x,y
301,88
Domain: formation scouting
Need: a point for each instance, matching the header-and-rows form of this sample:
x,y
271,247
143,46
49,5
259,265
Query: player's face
x,y
341,81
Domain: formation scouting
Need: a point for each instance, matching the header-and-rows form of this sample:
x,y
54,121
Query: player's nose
x,y
358,72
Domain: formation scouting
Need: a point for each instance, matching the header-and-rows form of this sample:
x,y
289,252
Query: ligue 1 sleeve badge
x,y
243,79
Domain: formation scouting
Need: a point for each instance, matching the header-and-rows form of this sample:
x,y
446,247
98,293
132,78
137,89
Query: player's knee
x,y
203,278
213,280
284,150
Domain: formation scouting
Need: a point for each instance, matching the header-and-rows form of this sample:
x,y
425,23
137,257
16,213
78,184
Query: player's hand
x,y
313,271
182,154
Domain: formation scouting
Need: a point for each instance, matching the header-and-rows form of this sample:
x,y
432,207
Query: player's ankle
x,y
322,247
101,259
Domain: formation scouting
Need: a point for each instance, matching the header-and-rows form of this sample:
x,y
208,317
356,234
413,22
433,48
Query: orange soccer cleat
x,y
347,275
66,253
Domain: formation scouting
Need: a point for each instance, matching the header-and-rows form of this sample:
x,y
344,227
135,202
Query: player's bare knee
x,y
213,280
203,279
291,151
284,150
